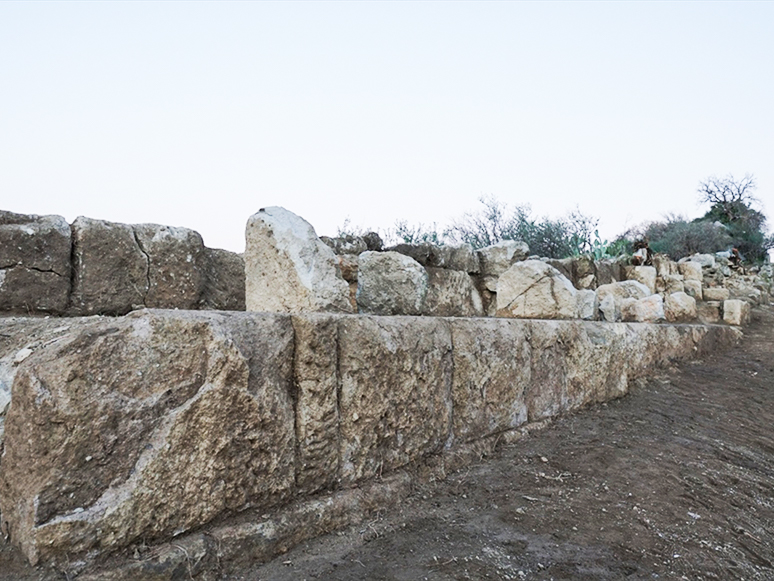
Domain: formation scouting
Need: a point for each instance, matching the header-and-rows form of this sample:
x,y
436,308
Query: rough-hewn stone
x,y
644,274
709,312
679,307
716,294
347,244
111,270
175,269
646,310
736,312
159,422
608,271
395,394
586,305
690,270
451,293
390,283
610,297
288,269
693,288
224,280
670,283
533,289
498,258
34,263
491,374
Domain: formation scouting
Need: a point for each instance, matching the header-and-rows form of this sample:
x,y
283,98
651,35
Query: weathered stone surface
x,y
670,283
34,263
111,270
347,244
175,273
736,312
563,265
644,274
288,268
693,288
709,312
224,280
390,283
373,241
646,310
348,264
460,257
703,260
498,258
608,271
395,392
679,307
584,273
316,373
716,294
586,305
664,265
534,290
451,293
610,297
491,374
690,270
147,426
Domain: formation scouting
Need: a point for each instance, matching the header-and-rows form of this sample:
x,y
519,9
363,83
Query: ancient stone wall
x,y
142,428
99,267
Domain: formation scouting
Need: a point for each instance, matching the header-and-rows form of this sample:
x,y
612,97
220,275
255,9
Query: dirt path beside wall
x,y
674,481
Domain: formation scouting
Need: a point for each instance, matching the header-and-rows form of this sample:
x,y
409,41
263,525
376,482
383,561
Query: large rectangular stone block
x,y
145,427
395,397
34,263
491,376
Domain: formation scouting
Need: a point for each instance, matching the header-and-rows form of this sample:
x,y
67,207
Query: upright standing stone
x,y
288,269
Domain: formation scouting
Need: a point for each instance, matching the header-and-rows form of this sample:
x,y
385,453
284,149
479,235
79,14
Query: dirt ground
x,y
674,481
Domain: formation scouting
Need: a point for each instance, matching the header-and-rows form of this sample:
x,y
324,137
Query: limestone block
x,y
646,310
288,268
608,271
610,297
584,273
679,307
315,366
347,244
670,283
563,265
390,283
693,288
498,258
534,290
111,270
736,312
690,270
224,280
395,392
586,305
160,422
703,260
349,264
664,265
644,274
34,263
491,374
709,312
175,269
451,293
716,294
451,256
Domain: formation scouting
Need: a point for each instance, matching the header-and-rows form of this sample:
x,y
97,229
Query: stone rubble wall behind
x,y
146,427
99,267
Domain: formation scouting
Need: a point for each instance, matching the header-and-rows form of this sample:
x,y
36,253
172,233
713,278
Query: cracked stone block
x,y
175,273
34,263
111,270
533,289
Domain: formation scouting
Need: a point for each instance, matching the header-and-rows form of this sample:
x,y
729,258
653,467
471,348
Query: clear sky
x,y
198,114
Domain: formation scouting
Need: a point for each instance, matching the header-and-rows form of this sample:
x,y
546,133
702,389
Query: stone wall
x,y
144,428
98,267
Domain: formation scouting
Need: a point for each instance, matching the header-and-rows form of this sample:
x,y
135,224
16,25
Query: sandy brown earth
x,y
674,481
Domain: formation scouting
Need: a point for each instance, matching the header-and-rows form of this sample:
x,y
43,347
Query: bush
x,y
678,237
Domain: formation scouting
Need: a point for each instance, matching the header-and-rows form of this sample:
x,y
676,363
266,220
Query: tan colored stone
x,y
693,288
736,312
161,421
390,283
679,307
690,270
716,294
643,274
491,373
610,297
395,394
224,280
534,290
498,258
709,312
646,310
451,293
288,269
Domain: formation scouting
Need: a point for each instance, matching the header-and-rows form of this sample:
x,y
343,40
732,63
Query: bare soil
x,y
673,481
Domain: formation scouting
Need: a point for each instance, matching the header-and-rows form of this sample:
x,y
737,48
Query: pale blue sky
x,y
198,114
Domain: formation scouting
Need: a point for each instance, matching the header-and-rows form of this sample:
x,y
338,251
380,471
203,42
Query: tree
x,y
732,205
